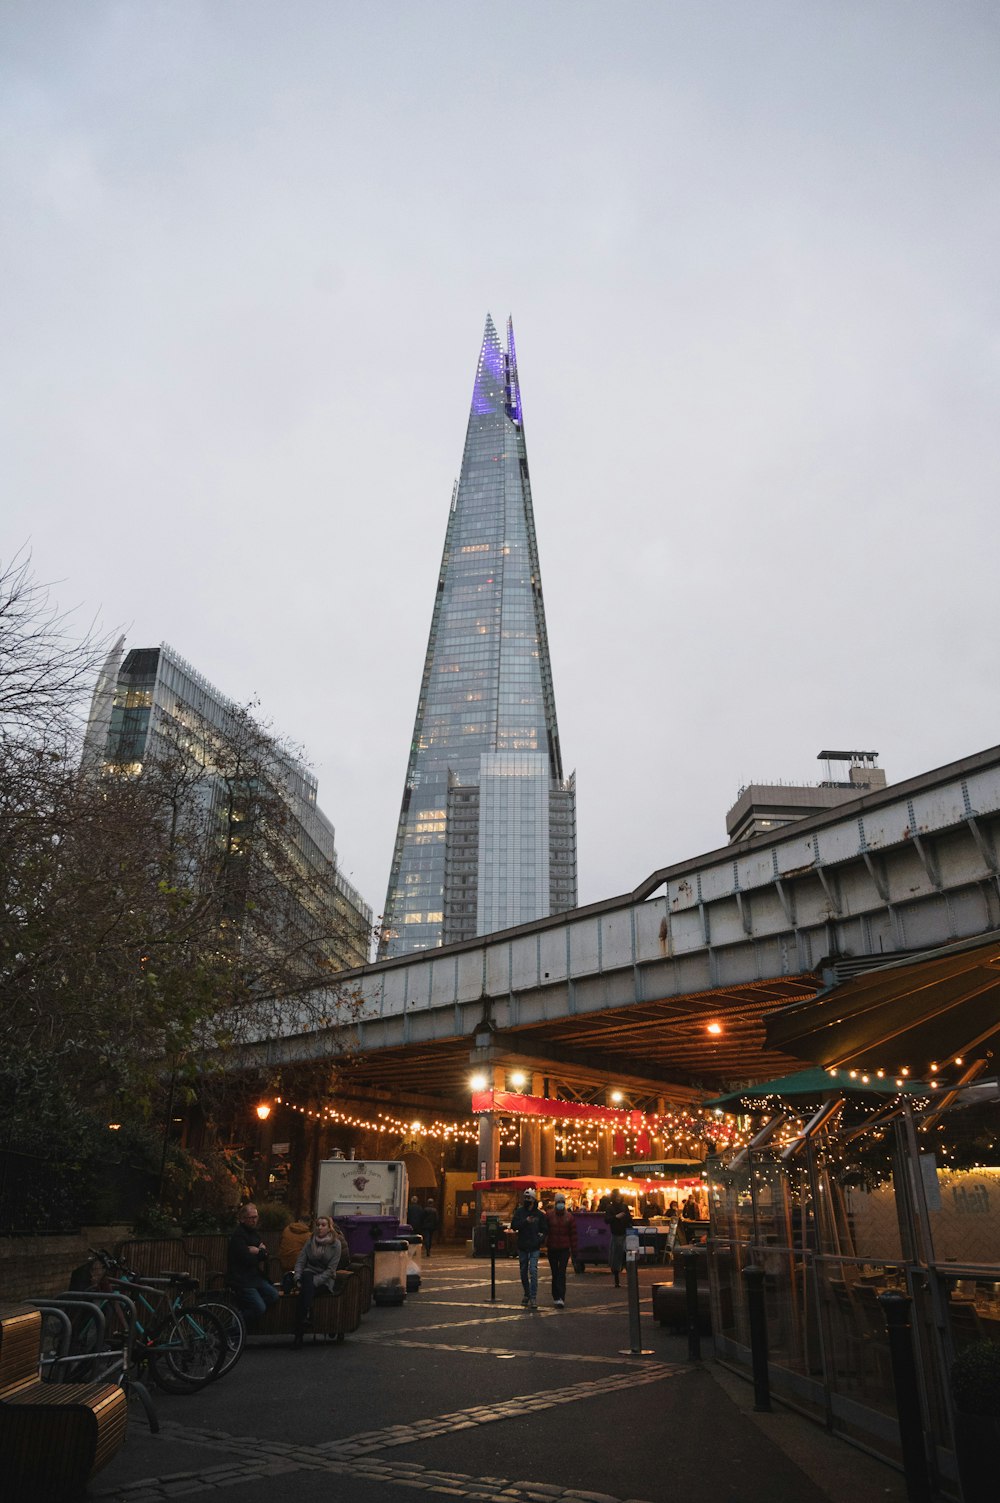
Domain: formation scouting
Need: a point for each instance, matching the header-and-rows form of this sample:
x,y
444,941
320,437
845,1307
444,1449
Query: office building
x,y
487,827
761,808
155,706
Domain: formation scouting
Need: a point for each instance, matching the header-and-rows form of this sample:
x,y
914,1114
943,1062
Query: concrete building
x,y
762,808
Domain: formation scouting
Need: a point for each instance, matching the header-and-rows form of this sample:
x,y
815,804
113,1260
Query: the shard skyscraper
x,y
487,827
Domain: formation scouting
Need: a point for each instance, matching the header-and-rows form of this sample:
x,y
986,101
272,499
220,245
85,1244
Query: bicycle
x,y
185,1346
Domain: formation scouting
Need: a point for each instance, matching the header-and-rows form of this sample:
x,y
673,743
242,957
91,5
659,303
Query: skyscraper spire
x,y
487,826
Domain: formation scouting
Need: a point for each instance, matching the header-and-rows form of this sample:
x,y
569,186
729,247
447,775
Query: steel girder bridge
x,y
663,991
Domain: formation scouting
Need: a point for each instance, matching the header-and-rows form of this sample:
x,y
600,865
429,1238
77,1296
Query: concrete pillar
x,y
489,1146
548,1133
604,1153
530,1147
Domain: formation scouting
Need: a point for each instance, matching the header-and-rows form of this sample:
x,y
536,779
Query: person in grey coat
x,y
316,1266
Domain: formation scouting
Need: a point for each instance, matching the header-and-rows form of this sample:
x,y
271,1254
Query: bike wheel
x,y
88,1331
187,1351
233,1325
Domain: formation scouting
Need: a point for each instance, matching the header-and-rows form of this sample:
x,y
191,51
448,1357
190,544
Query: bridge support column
x,y
548,1134
530,1147
604,1153
489,1146
531,1132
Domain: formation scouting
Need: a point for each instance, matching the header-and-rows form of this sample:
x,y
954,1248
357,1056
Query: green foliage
x,y
975,1379
274,1215
201,1191
154,1221
153,927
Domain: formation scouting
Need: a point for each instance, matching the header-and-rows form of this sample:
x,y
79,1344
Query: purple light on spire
x,y
515,385
486,397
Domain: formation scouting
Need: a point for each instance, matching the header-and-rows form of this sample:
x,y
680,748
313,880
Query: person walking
x,y
619,1219
529,1224
415,1215
560,1245
428,1225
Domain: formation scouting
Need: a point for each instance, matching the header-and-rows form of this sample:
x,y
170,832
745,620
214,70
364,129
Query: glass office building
x,y
153,702
487,828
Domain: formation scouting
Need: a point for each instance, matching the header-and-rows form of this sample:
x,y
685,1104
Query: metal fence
x,y
830,1246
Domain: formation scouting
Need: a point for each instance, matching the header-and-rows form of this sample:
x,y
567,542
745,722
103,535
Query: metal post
x,y
632,1284
493,1269
896,1309
691,1299
635,1347
753,1278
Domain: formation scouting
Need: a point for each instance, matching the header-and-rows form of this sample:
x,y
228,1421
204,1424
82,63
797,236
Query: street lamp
x,y
263,1111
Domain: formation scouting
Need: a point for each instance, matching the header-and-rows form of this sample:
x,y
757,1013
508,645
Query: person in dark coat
x,y
245,1263
415,1214
429,1225
529,1224
560,1245
619,1219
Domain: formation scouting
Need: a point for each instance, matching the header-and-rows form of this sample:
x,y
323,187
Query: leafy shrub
x,y
274,1215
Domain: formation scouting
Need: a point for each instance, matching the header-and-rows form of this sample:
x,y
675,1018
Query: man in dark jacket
x,y
244,1269
415,1214
529,1224
428,1225
619,1219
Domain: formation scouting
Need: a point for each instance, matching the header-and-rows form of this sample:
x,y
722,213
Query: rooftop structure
x,y
761,808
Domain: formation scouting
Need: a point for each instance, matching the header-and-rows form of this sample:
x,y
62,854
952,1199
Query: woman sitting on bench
x,y
316,1266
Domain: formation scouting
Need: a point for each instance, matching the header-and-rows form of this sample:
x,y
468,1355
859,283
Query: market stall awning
x,y
939,1009
812,1085
522,1182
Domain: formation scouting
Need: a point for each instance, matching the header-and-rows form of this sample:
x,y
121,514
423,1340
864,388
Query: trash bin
x,y
414,1256
362,1232
391,1259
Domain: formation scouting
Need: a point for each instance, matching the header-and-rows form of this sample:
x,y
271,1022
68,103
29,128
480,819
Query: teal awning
x,y
813,1085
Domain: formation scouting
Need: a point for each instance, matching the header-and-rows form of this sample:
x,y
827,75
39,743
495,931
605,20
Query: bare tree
x,y
152,925
44,669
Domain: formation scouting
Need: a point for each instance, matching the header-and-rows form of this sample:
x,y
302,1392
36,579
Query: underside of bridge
x,y
677,1048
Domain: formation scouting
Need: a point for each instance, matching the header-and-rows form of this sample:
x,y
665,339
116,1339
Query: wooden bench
x,y
334,1314
54,1437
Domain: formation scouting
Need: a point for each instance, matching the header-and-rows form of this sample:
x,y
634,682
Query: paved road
x,y
455,1396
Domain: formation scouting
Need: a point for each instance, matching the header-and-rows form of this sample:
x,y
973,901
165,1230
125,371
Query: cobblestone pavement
x,y
453,1394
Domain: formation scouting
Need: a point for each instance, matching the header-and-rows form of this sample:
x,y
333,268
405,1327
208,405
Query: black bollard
x,y
896,1309
753,1278
632,1285
493,1270
691,1300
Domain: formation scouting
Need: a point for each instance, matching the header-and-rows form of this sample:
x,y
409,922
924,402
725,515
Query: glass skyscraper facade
x,y
487,827
153,702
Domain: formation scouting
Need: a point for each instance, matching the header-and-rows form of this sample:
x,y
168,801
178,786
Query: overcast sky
x,y
751,254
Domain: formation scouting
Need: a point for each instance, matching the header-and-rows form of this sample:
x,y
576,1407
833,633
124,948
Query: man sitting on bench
x,y
245,1264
